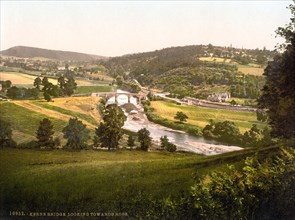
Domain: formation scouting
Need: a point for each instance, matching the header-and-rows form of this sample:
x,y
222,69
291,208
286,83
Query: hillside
x,y
191,70
31,52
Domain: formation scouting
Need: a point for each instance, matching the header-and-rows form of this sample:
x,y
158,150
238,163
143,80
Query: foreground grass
x,y
40,180
200,116
88,180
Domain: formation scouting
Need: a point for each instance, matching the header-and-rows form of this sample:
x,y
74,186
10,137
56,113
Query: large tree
x,y
279,91
44,133
110,131
144,139
76,133
6,135
70,86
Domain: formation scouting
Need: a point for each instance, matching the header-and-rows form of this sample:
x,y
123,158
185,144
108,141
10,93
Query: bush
x,y
225,131
28,145
171,147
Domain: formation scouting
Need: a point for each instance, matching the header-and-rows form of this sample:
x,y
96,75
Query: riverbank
x,y
137,119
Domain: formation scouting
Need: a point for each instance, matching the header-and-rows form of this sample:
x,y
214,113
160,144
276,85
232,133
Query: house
x,y
218,97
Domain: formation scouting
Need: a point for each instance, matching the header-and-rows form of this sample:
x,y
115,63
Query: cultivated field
x,y
28,80
256,71
200,116
21,78
216,59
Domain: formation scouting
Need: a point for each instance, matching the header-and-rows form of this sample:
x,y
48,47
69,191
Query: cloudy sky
x,y
113,28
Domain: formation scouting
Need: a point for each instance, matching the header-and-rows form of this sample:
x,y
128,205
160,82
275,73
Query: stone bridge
x,y
108,95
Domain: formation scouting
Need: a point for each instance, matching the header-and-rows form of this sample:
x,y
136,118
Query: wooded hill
x,y
31,52
180,71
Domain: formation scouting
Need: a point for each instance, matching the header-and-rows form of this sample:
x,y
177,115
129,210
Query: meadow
x,y
121,180
251,70
200,116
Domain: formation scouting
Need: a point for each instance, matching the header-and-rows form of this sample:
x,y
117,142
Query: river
x,y
183,141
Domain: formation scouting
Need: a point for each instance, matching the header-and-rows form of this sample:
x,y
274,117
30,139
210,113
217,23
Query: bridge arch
x,y
109,95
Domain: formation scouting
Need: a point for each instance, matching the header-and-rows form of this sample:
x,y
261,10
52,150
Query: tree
x,y
44,133
119,80
110,131
233,102
181,116
47,96
164,142
166,145
6,135
70,86
253,137
37,82
45,83
14,93
76,133
225,131
279,90
61,82
130,141
5,84
144,139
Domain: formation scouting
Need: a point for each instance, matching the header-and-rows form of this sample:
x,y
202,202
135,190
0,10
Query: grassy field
x,y
40,180
73,114
21,78
24,116
90,89
251,70
200,116
25,122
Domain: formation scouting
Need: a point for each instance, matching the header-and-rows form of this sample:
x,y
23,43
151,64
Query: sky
x,y
114,28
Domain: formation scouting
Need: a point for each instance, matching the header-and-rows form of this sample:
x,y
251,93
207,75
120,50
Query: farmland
x,y
256,71
22,79
200,116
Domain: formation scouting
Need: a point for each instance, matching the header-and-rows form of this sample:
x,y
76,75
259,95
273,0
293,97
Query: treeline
x,y
65,87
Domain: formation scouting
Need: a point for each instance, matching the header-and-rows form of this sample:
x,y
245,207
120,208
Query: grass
x,y
85,117
40,180
215,59
25,122
200,116
91,89
251,70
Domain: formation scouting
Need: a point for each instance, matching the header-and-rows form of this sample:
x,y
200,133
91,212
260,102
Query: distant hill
x,y
31,52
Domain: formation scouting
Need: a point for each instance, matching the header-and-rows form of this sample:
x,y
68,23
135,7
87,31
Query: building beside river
x,y
219,97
